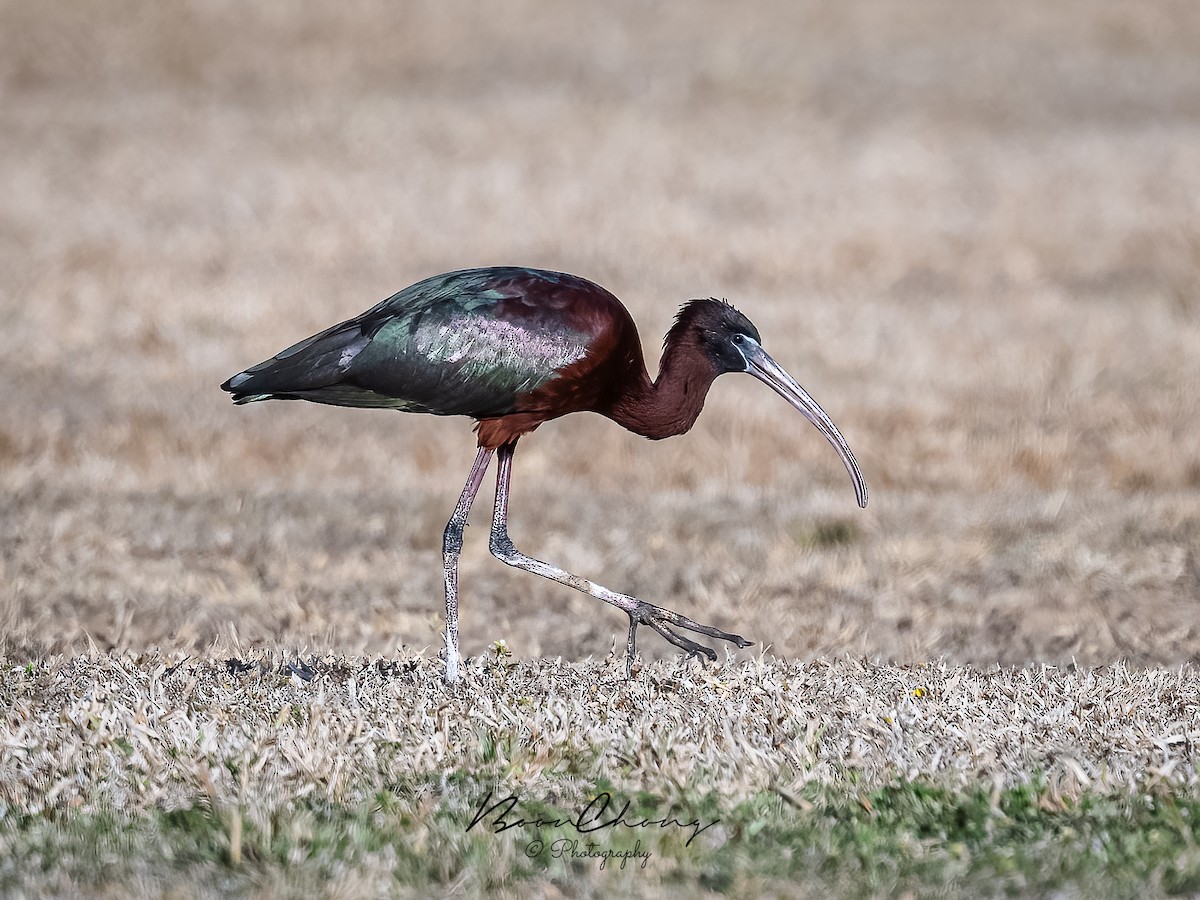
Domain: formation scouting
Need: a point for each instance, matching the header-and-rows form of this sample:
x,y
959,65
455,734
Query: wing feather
x,y
466,343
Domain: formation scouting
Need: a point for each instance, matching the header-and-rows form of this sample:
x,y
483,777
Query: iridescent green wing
x,y
469,342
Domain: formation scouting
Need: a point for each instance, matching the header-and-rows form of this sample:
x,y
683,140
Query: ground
x,y
971,231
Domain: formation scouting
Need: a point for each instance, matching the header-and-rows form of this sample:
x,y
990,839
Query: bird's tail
x,y
313,364
242,399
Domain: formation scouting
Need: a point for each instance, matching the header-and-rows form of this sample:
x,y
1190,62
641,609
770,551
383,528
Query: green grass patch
x,y
828,533
416,838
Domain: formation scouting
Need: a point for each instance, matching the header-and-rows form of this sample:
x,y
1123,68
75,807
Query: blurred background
x,y
970,230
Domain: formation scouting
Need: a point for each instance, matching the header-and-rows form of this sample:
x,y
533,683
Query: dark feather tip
x,y
235,382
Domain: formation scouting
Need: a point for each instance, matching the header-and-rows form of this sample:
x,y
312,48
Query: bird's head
x,y
731,343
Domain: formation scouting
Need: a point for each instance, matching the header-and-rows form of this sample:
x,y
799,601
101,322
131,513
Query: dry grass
x,y
981,257
93,732
258,744
971,231
971,234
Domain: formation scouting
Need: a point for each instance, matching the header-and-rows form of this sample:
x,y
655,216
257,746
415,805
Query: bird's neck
x,y
670,404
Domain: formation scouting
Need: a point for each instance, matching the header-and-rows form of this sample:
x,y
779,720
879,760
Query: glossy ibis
x,y
513,348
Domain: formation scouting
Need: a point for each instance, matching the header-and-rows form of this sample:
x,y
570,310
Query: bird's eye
x,y
738,337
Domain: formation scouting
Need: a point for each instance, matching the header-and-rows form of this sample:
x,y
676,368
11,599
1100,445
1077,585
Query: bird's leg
x,y
452,541
639,612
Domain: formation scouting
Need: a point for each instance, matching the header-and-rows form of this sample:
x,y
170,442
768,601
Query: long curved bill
x,y
761,366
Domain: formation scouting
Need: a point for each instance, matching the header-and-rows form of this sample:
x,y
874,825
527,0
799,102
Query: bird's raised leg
x,y
452,541
639,612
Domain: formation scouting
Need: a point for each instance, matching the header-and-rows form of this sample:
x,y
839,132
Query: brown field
x,y
970,230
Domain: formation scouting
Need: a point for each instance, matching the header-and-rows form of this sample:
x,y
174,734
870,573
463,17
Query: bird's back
x,y
473,342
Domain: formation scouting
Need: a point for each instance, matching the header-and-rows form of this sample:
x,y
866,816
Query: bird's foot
x,y
658,619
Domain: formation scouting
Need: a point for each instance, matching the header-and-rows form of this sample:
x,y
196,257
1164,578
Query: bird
x,y
512,348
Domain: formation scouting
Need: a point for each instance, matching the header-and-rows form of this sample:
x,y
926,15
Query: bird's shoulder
x,y
536,298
